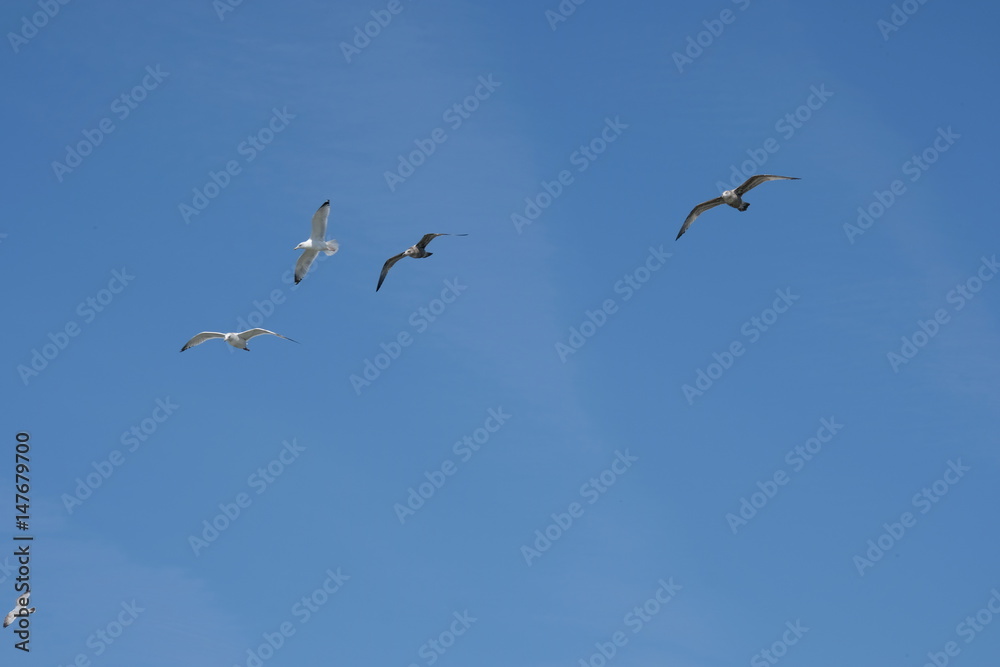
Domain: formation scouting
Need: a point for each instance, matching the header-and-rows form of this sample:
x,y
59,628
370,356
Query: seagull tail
x,y
332,247
745,206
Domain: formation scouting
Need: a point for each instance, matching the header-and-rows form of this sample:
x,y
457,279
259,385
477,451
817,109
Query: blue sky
x,y
579,441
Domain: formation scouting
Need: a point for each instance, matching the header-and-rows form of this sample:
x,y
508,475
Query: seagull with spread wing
x,y
316,243
20,609
235,339
732,197
417,251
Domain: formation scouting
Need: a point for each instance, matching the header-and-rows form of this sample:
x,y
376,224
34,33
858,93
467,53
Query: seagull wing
x,y
250,333
319,223
305,261
9,618
427,238
422,243
696,211
391,261
756,180
201,338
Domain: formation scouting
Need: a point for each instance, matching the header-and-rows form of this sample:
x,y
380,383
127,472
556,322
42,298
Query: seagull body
x,y
16,611
417,251
733,198
316,243
235,339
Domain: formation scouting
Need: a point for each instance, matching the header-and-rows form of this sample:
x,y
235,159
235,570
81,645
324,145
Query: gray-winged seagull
x,y
731,197
417,251
235,339
16,611
316,243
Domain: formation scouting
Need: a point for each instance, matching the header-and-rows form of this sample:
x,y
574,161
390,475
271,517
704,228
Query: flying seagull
x,y
417,251
316,242
732,197
235,339
16,611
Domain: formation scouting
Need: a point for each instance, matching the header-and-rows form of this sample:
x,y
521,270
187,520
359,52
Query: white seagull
x,y
16,611
731,197
417,251
235,339
316,243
